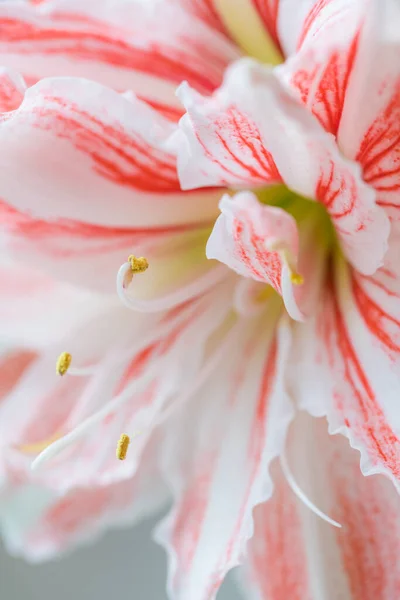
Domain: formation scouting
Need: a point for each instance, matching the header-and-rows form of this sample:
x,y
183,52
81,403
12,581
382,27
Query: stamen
x,y
63,363
81,430
63,366
288,259
180,295
122,446
301,495
126,395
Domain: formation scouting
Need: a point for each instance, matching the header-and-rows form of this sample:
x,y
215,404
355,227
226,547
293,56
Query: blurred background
x,y
123,564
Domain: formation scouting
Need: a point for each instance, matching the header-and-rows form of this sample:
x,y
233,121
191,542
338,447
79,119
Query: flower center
x,y
247,29
303,211
311,217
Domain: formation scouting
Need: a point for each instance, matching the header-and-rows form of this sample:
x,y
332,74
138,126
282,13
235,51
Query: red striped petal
x,y
204,534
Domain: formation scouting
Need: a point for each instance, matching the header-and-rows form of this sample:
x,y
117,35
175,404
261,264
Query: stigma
x,y
122,446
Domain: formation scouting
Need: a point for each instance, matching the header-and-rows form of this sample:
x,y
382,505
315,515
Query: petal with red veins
x,y
294,554
289,20
276,565
54,402
12,90
348,55
79,151
373,138
257,241
140,367
142,46
220,142
253,131
346,366
320,71
90,255
220,448
56,523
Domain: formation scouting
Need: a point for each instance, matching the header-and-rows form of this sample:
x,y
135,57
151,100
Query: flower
x,y
212,372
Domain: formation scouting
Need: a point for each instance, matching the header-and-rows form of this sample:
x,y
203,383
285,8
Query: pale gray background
x,y
124,565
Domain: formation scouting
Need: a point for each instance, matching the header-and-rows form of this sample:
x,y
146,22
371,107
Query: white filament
x,y
80,431
53,449
301,495
81,371
191,290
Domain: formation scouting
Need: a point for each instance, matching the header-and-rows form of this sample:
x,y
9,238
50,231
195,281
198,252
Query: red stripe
x,y
310,19
381,324
368,423
370,538
234,129
277,559
107,44
19,223
257,442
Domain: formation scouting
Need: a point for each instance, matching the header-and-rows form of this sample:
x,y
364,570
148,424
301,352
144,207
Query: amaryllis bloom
x,y
264,295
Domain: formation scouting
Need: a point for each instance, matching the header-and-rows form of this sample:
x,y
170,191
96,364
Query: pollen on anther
x,y
63,363
138,265
122,446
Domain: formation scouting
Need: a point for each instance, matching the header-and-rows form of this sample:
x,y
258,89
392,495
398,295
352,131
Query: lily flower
x,y
290,182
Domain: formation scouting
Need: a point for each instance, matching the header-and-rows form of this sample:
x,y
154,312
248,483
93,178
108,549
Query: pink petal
x,y
245,236
90,255
204,10
347,360
277,564
144,47
221,449
220,143
321,69
351,51
73,145
12,90
291,15
251,129
373,138
57,523
25,291
12,366
139,365
283,19
296,555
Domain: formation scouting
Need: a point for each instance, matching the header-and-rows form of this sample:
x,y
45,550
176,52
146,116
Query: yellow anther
x,y
296,278
122,446
138,265
63,363
289,260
